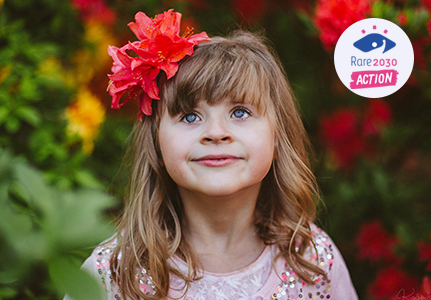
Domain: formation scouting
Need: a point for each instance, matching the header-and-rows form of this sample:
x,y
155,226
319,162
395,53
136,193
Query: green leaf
x,y
404,233
77,212
7,292
15,227
6,55
40,51
29,114
5,165
42,196
18,190
86,179
382,183
308,22
77,283
12,124
29,88
4,112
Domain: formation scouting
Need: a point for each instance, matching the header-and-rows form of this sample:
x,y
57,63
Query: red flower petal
x,y
145,104
168,48
169,67
169,22
198,38
143,27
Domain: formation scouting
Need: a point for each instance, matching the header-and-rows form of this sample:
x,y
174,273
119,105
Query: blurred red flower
x,y
424,251
94,10
377,116
392,282
402,19
375,243
410,294
249,10
427,4
340,134
347,134
332,17
426,287
418,47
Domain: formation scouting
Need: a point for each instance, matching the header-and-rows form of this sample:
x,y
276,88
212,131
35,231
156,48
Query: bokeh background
x,y
62,173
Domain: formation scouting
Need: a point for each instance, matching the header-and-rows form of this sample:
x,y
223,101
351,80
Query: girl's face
x,y
217,150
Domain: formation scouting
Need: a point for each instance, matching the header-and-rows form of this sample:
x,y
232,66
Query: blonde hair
x,y
242,69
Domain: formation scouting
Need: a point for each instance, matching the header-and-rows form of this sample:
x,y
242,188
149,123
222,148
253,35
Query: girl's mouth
x,y
219,160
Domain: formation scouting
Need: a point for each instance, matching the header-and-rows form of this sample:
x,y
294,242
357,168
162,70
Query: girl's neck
x,y
222,230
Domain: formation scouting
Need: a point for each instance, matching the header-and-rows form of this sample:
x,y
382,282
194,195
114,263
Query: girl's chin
x,y
221,189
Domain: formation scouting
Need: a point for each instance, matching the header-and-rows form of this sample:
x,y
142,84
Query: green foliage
x,y
51,205
41,227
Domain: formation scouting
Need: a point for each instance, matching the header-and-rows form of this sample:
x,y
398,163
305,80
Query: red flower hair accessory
x,y
159,48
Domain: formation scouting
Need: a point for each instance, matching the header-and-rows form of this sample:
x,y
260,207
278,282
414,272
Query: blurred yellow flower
x,y
91,59
84,68
98,35
84,118
52,69
4,72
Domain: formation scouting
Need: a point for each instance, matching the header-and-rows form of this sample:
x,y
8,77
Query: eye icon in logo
x,y
374,41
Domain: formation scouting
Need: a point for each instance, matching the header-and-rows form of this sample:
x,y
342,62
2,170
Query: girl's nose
x,y
216,131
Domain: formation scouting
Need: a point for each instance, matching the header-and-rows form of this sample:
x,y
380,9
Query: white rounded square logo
x,y
373,58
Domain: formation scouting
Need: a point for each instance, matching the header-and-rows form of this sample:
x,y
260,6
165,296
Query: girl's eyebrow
x,y
241,102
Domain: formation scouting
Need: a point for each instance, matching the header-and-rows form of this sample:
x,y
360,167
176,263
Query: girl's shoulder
x,y
99,264
325,254
322,252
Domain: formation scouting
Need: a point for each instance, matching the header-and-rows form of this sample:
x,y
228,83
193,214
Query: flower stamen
x,y
188,32
160,55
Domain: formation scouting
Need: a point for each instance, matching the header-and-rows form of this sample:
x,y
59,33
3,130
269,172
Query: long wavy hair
x,y
242,68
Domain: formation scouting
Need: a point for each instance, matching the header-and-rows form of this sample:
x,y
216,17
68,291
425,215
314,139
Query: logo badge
x,y
374,58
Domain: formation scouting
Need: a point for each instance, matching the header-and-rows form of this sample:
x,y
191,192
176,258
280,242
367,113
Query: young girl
x,y
220,202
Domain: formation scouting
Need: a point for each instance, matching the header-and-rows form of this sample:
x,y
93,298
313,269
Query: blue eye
x,y
190,118
240,113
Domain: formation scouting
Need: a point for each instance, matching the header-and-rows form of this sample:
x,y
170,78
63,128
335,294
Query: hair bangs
x,y
219,70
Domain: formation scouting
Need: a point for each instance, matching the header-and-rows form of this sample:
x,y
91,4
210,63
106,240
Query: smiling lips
x,y
220,160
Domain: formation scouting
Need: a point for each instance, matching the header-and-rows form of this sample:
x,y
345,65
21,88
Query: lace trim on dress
x,y
241,284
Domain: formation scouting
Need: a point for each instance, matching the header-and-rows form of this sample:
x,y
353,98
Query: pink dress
x,y
261,280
